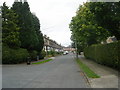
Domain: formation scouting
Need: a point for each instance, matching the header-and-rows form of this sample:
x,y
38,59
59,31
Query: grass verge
x,y
42,61
87,70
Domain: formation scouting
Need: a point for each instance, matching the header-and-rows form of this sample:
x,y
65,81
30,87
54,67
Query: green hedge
x,y
13,56
42,54
106,54
33,55
52,52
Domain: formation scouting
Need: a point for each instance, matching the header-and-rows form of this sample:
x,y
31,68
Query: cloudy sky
x,y
54,16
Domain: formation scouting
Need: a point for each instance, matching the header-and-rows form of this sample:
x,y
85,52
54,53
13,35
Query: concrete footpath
x,y
109,77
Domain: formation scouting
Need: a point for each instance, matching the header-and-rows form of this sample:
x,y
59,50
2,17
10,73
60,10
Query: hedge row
x,y
14,56
19,55
105,54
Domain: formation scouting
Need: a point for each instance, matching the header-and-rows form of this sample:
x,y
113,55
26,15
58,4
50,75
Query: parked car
x,y
66,52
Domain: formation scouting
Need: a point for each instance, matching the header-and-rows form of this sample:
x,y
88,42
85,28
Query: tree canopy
x,y
21,28
107,15
95,22
85,30
30,35
10,29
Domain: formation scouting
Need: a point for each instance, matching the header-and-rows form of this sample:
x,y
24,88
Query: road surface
x,y
62,72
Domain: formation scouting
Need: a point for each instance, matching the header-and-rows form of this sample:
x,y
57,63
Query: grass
x,y
42,61
87,70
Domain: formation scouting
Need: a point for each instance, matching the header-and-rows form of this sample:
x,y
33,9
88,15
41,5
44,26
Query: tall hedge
x,y
14,56
106,54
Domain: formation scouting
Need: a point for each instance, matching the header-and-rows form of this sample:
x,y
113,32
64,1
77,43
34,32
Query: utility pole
x,y
76,49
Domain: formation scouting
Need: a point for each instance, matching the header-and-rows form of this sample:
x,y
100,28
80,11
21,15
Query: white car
x,y
66,52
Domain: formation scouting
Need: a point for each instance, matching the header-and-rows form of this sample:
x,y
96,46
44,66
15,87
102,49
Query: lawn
x,y
87,70
42,61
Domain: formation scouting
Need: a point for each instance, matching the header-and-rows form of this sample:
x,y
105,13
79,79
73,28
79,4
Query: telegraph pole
x,y
76,49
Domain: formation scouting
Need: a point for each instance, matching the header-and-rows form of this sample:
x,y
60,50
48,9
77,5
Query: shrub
x,y
107,54
13,56
33,55
42,54
52,52
59,53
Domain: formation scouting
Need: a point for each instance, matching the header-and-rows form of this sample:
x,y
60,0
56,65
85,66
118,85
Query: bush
x,y
33,55
13,56
107,54
59,53
52,52
42,54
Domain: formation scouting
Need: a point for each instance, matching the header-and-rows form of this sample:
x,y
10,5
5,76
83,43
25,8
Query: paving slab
x,y
109,78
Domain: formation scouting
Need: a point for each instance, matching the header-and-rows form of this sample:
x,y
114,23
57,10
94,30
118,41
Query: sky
x,y
54,16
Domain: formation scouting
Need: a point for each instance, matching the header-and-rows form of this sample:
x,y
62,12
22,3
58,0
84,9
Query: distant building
x,y
50,44
69,49
109,40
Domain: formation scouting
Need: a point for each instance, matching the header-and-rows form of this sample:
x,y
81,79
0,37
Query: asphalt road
x,y
62,72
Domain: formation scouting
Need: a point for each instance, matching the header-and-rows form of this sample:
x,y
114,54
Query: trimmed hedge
x,y
105,54
14,56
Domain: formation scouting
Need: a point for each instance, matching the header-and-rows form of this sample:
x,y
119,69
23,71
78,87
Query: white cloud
x,y
55,16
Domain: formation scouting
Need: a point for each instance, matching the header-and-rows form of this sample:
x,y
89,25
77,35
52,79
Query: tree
x,y
107,15
28,37
10,30
84,29
36,25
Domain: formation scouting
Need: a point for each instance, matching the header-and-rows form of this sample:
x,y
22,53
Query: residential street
x,y
62,72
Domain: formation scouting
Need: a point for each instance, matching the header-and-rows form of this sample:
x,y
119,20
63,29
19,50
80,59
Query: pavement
x,y
62,72
109,78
